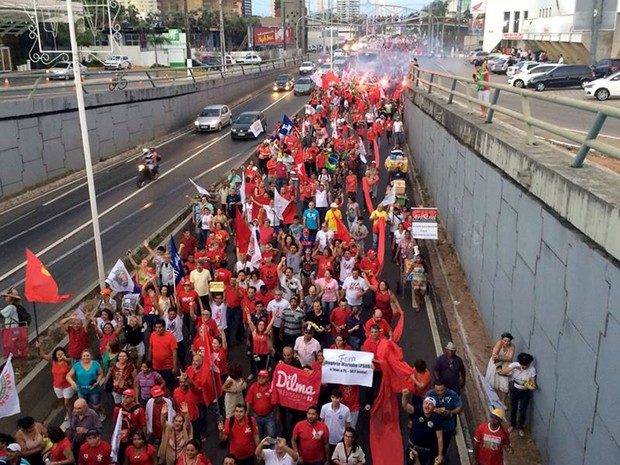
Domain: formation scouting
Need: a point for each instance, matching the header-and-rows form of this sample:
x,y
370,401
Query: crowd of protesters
x,y
313,286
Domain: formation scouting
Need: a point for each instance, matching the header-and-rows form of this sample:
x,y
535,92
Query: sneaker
x,y
521,433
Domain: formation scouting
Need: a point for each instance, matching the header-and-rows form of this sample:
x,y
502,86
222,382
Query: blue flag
x,y
176,262
287,126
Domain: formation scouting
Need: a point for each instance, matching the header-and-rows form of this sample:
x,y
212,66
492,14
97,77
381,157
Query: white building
x,y
348,9
143,6
558,26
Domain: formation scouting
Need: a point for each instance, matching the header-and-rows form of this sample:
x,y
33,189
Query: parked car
x,y
520,67
477,55
249,59
213,118
324,68
499,65
605,87
307,67
212,63
117,62
241,126
520,80
303,86
605,67
283,82
561,77
64,70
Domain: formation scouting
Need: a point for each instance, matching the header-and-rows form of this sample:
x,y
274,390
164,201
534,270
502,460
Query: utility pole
x,y
88,163
597,20
188,49
222,36
283,13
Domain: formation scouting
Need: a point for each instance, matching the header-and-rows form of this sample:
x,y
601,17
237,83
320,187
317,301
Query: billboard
x,y
262,36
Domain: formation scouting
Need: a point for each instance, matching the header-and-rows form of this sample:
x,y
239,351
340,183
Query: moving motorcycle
x,y
149,168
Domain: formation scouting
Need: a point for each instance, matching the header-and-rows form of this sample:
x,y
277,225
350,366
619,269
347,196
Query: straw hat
x,y
12,292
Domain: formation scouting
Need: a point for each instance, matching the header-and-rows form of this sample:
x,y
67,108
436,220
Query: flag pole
x,y
36,320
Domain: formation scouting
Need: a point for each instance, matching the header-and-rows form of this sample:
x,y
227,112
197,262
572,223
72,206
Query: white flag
x,y
119,278
242,189
9,400
363,152
256,128
116,437
390,198
279,203
254,250
201,190
317,79
310,110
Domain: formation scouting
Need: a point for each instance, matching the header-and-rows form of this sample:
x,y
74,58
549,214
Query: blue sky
x,y
263,7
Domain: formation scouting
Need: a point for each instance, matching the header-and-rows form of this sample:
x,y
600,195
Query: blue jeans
x,y
266,425
328,307
355,342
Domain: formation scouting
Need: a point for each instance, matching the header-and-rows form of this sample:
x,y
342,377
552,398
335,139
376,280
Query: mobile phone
x,y
272,441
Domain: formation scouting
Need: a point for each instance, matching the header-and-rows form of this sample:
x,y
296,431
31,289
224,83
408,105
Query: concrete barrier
x,y
41,137
539,243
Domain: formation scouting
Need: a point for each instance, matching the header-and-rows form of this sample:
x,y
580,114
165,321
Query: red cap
x,y
157,391
264,373
106,291
371,253
129,392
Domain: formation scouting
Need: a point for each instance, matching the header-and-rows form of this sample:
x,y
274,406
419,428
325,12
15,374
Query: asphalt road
x,y
577,120
56,226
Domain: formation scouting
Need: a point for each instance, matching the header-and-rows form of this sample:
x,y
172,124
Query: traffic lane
x,y
571,118
130,220
22,219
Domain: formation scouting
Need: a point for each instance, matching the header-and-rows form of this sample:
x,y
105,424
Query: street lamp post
x,y
88,163
222,36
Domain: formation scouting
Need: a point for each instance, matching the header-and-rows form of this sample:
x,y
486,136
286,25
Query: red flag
x,y
398,329
40,286
242,233
295,388
366,189
288,215
330,78
381,246
342,233
209,373
376,150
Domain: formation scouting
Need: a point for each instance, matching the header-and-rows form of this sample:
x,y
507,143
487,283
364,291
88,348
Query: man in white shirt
x,y
281,454
347,263
275,307
336,416
354,288
200,279
218,311
323,237
174,325
398,131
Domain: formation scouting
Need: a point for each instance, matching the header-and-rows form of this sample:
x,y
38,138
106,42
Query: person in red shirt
x,y
269,274
351,398
266,233
338,318
192,455
95,451
350,183
370,264
223,274
163,353
139,452
187,245
184,397
389,127
233,313
61,452
490,440
371,344
258,399
243,434
385,330
189,299
281,173
77,331
311,439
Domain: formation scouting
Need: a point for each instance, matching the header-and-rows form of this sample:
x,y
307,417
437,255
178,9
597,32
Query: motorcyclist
x,y
151,159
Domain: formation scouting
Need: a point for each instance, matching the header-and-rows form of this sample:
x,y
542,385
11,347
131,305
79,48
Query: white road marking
x,y
17,219
79,186
121,202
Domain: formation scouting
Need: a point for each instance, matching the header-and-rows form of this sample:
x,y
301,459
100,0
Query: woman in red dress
x,y
384,298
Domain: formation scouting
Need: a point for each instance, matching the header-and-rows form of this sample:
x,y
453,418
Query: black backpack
x,y
22,315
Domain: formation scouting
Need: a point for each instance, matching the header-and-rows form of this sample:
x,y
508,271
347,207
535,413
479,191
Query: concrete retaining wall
x,y
41,137
538,241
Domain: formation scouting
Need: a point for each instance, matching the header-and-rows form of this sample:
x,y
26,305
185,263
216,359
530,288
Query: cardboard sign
x,y
350,367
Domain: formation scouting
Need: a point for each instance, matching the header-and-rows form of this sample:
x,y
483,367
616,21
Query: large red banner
x,y
271,36
295,388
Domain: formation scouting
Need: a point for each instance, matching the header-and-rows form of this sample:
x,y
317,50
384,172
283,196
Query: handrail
x,y
154,77
586,143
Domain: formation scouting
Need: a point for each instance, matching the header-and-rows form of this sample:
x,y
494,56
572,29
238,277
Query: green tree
x,y
156,40
437,8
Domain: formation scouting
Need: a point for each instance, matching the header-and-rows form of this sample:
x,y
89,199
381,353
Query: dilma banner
x,y
295,388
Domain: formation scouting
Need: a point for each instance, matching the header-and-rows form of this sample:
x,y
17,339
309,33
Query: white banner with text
x,y
349,367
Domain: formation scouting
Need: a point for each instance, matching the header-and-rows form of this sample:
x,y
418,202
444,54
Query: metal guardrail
x,y
38,84
434,80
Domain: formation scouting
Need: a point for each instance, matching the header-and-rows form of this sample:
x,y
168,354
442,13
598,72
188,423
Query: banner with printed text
x,y
295,388
349,367
424,223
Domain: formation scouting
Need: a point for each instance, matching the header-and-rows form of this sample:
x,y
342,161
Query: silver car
x,y
64,70
213,118
307,67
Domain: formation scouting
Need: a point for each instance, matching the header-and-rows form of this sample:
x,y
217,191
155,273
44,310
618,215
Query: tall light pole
x,y
283,13
188,50
88,163
222,36
597,20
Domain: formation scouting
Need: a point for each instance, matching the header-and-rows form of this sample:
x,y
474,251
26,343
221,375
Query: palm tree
x,y
155,40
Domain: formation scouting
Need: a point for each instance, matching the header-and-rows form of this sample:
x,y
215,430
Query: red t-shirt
x,y
269,275
223,275
259,397
78,341
371,346
351,183
57,451
144,457
220,359
491,444
196,380
138,417
266,235
202,459
249,305
190,398
338,317
99,455
189,246
311,440
232,297
384,327
185,298
161,350
241,437
323,265
351,397
158,428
